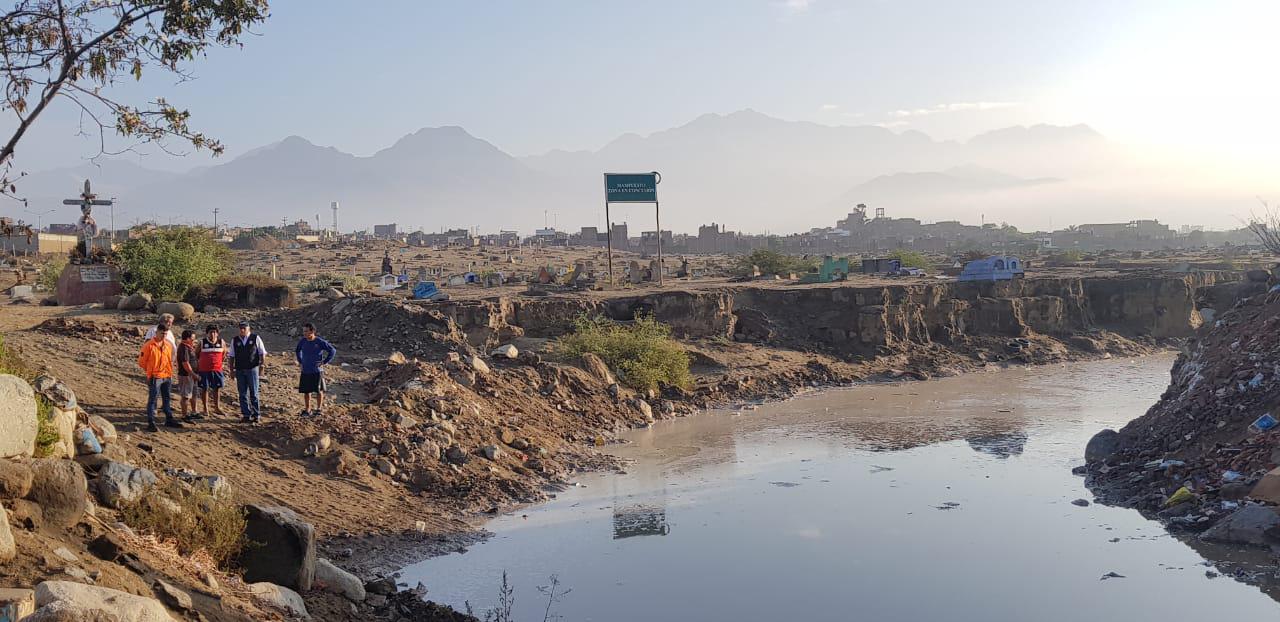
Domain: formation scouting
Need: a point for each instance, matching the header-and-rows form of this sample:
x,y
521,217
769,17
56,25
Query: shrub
x,y
321,282
910,259
192,517
772,262
47,278
167,262
642,352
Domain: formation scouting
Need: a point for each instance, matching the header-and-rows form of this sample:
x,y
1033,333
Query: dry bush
x,y
192,517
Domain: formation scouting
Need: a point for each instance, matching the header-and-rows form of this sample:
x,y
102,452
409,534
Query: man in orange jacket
x,y
156,359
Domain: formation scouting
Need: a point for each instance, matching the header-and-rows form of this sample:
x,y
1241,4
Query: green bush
x,y
167,262
911,259
47,278
772,262
321,282
191,516
642,352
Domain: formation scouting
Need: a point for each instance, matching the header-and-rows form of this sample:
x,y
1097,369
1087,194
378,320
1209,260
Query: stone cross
x,y
88,227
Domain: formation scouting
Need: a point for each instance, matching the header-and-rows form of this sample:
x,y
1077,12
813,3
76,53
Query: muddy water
x,y
943,500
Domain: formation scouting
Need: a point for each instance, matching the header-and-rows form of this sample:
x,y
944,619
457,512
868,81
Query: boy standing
x,y
188,363
156,360
313,353
212,355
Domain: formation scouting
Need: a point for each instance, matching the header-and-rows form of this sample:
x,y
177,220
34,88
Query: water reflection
x,y
835,502
640,520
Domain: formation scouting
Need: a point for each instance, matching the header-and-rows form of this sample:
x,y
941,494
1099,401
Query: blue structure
x,y
993,268
425,290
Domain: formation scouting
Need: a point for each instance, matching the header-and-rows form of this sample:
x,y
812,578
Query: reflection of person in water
x,y
999,445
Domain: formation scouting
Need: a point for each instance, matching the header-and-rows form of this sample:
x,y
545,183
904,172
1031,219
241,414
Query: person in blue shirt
x,y
313,354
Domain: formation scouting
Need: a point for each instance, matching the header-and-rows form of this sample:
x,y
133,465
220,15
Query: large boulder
x,y
15,479
9,550
1268,488
134,302
281,550
181,311
105,430
331,578
56,391
119,483
1252,524
1103,445
18,424
281,598
65,601
60,489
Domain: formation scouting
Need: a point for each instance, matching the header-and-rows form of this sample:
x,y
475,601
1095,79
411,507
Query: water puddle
x,y
949,499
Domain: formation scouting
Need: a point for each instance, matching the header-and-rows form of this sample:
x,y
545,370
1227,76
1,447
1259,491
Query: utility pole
x,y
215,221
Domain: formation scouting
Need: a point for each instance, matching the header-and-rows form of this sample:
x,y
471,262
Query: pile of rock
x,y
1205,457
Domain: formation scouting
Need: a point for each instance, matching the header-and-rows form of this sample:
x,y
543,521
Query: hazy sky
x,y
1187,77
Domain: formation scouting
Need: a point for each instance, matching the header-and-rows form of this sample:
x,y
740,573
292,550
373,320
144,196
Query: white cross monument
x,y
88,227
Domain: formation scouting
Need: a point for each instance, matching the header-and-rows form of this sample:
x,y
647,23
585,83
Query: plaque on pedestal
x,y
81,285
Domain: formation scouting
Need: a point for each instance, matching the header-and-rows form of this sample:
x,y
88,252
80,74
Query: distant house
x,y
993,268
880,266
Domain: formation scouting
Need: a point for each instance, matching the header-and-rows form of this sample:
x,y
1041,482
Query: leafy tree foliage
x,y
167,262
76,50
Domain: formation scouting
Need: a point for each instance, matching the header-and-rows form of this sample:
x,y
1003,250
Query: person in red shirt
x,y
212,356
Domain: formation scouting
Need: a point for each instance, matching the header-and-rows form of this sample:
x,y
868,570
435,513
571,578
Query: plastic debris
x,y
1182,495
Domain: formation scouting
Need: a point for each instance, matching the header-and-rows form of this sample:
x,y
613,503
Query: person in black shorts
x,y
313,353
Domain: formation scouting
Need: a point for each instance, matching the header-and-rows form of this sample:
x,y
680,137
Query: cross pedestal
x,y
84,284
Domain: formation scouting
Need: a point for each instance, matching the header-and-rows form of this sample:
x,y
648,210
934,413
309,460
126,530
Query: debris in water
x,y
950,505
875,468
1084,503
785,484
1111,575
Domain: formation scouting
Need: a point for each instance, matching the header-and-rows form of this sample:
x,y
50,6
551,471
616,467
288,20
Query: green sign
x,y
631,187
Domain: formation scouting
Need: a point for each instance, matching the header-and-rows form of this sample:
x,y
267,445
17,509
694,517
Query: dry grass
x,y
194,520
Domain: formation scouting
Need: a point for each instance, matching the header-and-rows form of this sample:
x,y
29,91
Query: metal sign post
x,y
632,188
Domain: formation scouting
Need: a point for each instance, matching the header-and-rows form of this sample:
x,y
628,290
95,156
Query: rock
x,y
64,421
86,442
397,358
404,421
119,483
520,444
65,601
1103,445
282,547
60,489
385,467
455,455
1234,491
105,430
8,549
106,547
27,513
478,365
56,391
135,302
1257,276
15,479
1252,524
172,596
645,409
491,452
597,368
16,603
344,462
217,485
280,597
181,311
1268,488
324,442
507,351
334,293
18,424
384,586
506,436
1084,503
334,579
66,555
112,302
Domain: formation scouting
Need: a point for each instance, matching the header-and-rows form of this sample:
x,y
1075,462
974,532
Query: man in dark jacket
x,y
248,354
313,353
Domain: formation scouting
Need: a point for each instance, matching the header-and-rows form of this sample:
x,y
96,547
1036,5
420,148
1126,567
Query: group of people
x,y
200,369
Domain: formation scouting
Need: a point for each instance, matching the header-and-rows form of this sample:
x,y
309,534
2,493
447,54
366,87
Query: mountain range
x,y
747,170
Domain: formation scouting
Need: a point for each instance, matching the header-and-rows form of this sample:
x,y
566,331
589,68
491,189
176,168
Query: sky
x,y
1186,81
